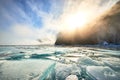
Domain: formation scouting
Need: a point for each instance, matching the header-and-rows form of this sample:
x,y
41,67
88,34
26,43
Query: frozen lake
x,y
59,63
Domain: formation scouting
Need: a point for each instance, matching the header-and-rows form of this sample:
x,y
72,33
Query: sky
x,y
34,22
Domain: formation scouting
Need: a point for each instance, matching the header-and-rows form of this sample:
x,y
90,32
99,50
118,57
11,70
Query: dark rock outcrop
x,y
105,28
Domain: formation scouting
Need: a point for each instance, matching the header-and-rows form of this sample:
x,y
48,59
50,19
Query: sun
x,y
74,21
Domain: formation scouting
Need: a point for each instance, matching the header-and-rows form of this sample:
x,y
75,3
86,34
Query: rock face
x,y
105,28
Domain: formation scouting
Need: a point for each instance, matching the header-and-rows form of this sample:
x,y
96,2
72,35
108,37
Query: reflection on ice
x,y
24,69
114,65
101,73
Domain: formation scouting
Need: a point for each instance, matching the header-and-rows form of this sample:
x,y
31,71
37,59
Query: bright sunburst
x,y
76,20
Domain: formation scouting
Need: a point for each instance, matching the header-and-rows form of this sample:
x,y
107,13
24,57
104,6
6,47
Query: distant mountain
x,y
105,29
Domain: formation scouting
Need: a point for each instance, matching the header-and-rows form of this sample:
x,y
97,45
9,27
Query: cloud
x,y
88,10
43,19
22,30
21,34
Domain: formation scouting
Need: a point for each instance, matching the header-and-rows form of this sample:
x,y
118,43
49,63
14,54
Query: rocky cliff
x,y
106,28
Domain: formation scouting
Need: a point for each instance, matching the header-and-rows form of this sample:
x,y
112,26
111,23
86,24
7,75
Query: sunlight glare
x,y
76,20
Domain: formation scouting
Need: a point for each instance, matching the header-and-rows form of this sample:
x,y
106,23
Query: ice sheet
x,y
58,63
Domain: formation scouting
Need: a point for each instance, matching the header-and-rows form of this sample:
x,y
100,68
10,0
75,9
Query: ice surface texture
x,y
58,63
